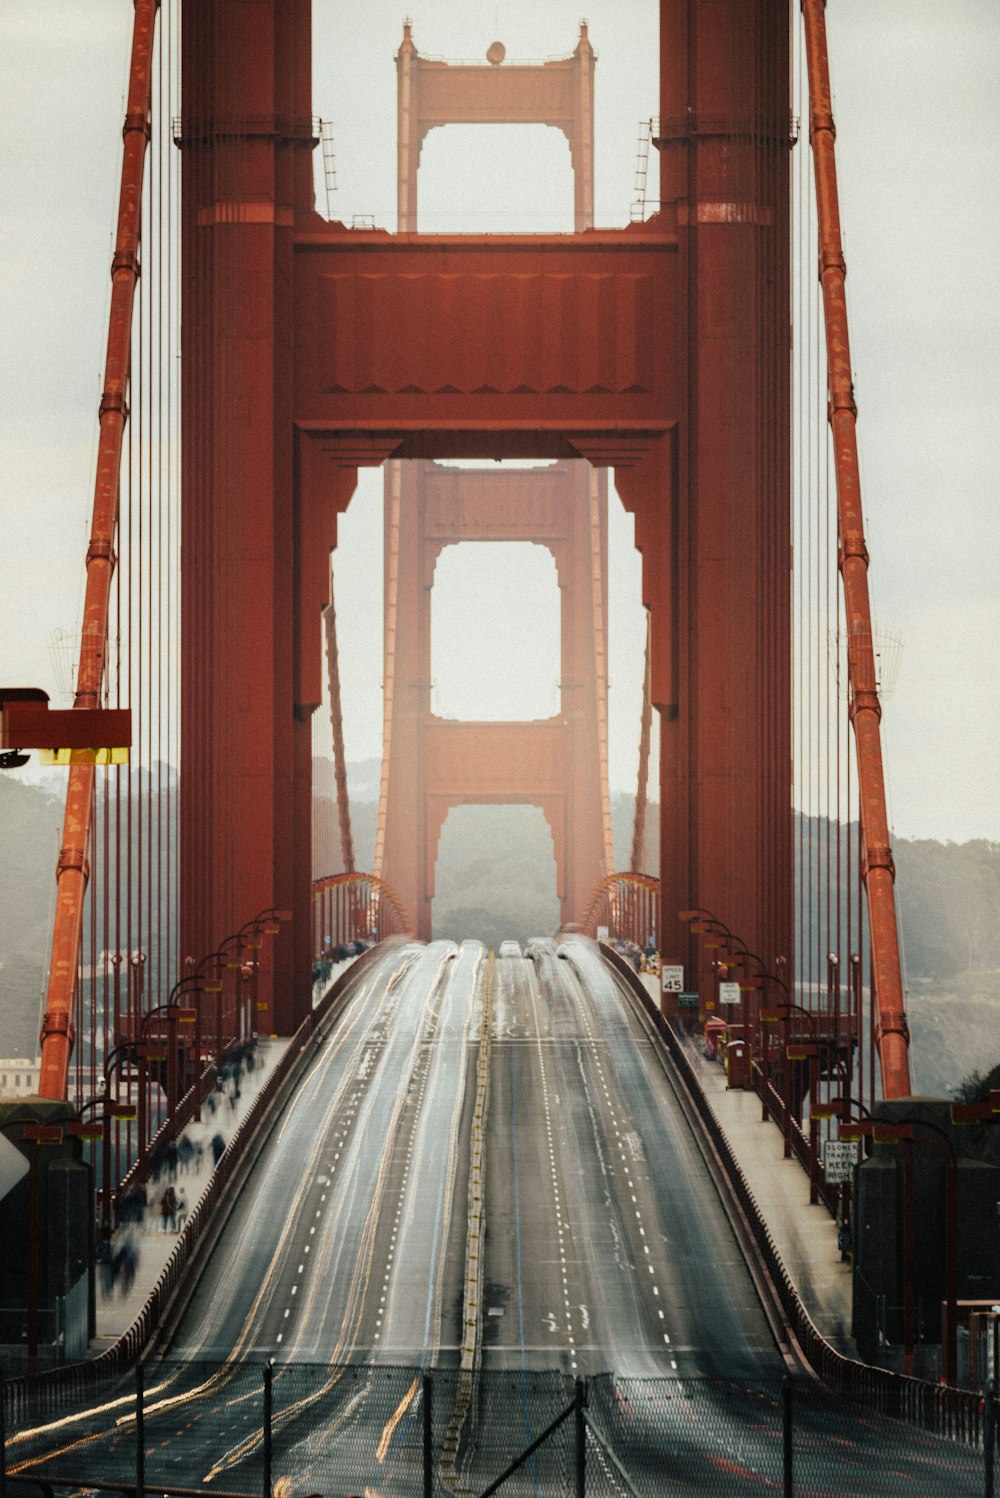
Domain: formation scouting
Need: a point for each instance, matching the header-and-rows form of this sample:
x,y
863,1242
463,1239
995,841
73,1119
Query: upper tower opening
x,y
432,92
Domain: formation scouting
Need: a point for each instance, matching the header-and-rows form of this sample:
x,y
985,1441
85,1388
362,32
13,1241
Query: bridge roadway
x,y
607,1255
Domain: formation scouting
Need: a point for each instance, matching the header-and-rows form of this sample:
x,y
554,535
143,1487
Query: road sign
x,y
602,933
13,1165
839,1159
729,993
687,1001
671,977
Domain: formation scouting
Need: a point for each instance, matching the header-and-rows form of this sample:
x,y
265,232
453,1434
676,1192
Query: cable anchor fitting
x,y
72,858
113,401
136,121
56,1022
125,260
101,550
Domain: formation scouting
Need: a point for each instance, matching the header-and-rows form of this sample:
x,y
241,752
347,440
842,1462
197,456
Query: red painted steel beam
x,y
892,1030
26,725
499,346
72,871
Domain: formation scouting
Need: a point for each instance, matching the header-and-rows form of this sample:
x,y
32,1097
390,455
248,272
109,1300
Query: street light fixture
x,y
81,1128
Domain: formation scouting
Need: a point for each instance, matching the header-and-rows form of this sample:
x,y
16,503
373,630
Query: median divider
x,y
475,1241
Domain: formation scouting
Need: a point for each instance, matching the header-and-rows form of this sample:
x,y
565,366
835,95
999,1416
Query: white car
x,y
509,949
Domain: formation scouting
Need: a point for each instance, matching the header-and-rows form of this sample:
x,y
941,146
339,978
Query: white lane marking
x,y
635,1148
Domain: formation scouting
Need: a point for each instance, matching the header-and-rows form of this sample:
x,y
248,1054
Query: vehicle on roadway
x,y
509,949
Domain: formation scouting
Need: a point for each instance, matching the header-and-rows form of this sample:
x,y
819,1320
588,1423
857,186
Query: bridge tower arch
x,y
559,764
310,349
556,763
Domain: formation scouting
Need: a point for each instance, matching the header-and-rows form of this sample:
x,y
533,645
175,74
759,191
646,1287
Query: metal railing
x,y
352,908
624,907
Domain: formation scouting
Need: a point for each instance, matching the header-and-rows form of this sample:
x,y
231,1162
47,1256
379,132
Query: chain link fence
x,y
289,1429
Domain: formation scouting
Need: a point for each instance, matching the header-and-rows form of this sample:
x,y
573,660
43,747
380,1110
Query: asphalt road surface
x,y
606,1256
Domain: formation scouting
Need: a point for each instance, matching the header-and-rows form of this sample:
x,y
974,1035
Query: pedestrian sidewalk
x,y
148,1240
805,1234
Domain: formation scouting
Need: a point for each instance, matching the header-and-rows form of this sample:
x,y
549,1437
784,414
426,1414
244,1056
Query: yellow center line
x,y
382,1449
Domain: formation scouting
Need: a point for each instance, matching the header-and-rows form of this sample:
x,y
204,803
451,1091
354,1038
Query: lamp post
x,y
703,921
82,1128
265,923
781,1013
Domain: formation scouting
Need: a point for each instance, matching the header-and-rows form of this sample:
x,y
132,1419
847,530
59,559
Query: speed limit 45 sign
x,y
672,977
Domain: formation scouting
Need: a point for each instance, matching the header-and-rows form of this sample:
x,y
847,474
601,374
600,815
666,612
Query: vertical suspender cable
x,y
599,615
639,825
892,1032
72,872
389,665
337,730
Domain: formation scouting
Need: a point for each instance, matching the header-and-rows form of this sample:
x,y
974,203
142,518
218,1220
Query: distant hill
x,y
30,834
496,879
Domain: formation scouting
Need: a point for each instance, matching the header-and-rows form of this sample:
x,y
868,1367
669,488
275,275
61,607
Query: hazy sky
x,y
918,142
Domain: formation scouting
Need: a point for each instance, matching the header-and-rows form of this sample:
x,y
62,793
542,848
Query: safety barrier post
x,y
3,1436
989,1435
140,1436
786,1427
268,1408
428,1436
580,1421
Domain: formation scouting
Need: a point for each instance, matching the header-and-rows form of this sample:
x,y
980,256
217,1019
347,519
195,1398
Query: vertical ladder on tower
x,y
648,130
325,132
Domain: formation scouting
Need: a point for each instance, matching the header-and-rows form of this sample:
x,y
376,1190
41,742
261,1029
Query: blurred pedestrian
x,y
168,1210
125,1264
105,1268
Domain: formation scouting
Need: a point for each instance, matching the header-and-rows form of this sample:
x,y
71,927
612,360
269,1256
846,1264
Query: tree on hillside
x,y
976,1088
